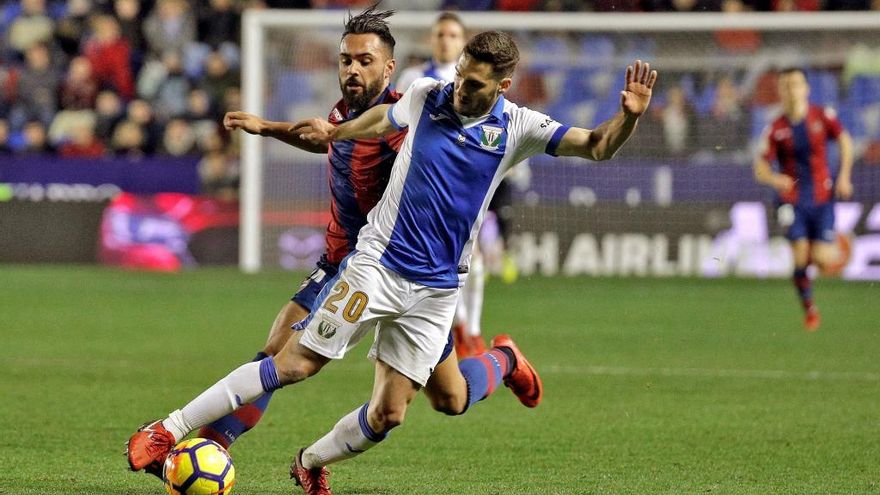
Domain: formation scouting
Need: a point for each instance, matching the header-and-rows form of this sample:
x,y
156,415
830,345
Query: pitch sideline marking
x,y
863,376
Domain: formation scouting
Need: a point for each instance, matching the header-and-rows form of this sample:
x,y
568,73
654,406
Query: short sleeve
x,y
832,124
402,113
536,133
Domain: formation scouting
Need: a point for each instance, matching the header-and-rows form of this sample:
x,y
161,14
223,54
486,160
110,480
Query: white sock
x,y
241,386
351,436
472,294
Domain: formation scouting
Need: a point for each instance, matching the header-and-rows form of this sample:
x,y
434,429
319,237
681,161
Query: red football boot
x,y
812,320
148,448
313,481
523,380
466,345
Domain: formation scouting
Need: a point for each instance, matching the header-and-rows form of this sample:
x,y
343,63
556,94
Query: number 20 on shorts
x,y
355,306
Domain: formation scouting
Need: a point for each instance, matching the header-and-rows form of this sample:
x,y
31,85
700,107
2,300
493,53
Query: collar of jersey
x,y
445,98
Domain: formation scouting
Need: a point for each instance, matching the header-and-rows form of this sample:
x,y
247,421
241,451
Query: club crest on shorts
x,y
490,137
327,329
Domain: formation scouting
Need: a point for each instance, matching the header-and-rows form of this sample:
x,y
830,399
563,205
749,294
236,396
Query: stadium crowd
x,y
132,78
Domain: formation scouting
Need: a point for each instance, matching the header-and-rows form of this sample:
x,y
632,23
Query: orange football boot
x,y
523,380
148,448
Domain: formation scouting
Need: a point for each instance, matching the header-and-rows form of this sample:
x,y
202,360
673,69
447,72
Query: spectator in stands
x,y
679,123
173,90
108,111
71,29
219,23
141,113
726,129
128,15
178,139
170,27
35,140
32,26
564,6
129,140
109,55
38,87
518,5
4,138
79,88
218,78
82,143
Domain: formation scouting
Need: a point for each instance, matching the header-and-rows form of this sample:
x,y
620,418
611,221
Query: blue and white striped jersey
x,y
424,226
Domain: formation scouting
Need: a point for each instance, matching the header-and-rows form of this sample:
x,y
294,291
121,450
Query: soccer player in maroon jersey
x,y
359,172
797,141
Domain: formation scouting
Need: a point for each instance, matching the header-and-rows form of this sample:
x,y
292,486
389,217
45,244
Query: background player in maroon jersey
x,y
797,141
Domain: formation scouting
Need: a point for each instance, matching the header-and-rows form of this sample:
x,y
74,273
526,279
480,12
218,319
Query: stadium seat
x,y
291,87
864,90
548,53
824,88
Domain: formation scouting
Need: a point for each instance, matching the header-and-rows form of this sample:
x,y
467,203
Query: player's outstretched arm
x,y
843,188
371,124
281,131
603,142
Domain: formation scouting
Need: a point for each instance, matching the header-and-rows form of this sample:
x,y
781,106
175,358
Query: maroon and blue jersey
x,y
801,150
358,171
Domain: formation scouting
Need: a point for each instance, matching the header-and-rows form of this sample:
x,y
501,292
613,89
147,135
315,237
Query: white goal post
x,y
255,65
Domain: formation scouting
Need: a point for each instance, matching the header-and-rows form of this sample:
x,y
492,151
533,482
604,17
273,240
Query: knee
x,y
293,368
448,404
385,417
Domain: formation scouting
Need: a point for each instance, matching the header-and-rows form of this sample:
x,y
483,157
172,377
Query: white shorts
x,y
411,321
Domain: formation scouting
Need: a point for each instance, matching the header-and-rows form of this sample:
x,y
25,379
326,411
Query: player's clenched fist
x,y
316,131
249,123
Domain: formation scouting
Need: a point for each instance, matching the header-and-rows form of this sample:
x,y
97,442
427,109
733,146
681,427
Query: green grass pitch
x,y
674,386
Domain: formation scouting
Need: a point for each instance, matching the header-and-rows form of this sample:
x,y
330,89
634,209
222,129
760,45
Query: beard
x,y
359,101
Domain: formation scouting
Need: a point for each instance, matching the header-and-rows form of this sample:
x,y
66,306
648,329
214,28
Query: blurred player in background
x,y
797,141
447,41
359,173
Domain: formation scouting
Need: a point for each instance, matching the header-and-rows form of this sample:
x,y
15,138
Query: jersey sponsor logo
x,y
490,137
336,115
547,122
437,116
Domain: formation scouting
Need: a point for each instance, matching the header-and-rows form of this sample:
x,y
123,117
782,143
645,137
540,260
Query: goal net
x,y
678,200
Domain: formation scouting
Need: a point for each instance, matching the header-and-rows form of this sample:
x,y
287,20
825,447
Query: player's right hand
x,y
249,123
315,131
783,183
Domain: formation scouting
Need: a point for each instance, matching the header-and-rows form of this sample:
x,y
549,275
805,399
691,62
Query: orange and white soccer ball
x,y
198,467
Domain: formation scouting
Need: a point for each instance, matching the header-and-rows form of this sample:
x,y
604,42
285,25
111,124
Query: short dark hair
x,y
791,70
494,47
450,16
371,22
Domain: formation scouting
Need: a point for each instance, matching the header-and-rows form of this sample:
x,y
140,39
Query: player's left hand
x,y
636,93
843,189
315,131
